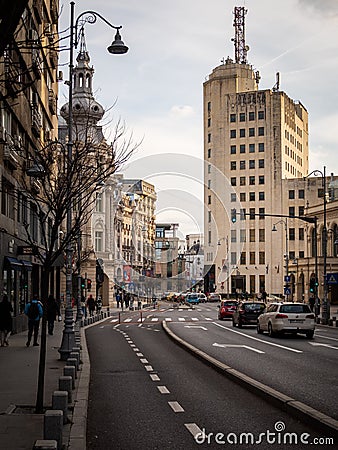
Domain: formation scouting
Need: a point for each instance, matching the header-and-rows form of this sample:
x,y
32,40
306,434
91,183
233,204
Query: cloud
x,y
323,7
182,111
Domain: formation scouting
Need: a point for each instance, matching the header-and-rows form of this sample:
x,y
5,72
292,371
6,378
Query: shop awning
x,y
27,264
13,263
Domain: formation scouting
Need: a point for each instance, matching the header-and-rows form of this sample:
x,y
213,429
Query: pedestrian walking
x,y
91,304
118,299
53,312
83,306
34,312
6,310
264,296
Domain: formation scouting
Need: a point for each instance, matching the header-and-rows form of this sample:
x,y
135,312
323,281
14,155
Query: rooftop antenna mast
x,y
241,49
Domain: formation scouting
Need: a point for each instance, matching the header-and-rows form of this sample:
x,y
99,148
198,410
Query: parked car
x,y
202,297
247,313
192,298
213,297
287,318
226,309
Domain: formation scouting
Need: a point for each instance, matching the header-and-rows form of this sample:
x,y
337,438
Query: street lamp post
x,y
117,47
226,239
326,305
285,222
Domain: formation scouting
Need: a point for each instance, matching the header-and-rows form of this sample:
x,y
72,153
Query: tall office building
x,y
253,140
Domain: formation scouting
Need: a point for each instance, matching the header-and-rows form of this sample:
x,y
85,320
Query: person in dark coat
x,y
91,304
53,312
33,322
5,320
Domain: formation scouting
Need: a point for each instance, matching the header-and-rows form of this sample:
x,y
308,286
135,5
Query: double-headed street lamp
x,y
285,222
325,306
117,47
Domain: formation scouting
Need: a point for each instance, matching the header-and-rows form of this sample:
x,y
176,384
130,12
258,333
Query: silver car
x,y
287,318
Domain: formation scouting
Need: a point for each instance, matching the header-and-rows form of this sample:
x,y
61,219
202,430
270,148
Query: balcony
x,y
10,155
36,120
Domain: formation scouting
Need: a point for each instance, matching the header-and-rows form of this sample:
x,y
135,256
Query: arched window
x,y
81,80
88,81
335,241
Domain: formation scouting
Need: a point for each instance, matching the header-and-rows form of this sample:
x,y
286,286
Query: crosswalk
x,y
160,319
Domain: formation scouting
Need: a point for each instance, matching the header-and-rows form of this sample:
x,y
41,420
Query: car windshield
x,y
294,309
253,306
192,296
229,303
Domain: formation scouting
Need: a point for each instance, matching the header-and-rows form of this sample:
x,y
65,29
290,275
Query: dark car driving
x,y
247,313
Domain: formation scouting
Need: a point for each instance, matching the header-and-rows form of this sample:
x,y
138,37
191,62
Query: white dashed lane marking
x,y
163,389
149,368
144,361
194,429
154,377
176,407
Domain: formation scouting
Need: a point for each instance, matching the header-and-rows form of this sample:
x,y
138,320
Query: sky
x,y
157,87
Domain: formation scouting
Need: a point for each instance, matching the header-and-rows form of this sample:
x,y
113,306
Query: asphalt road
x,y
148,393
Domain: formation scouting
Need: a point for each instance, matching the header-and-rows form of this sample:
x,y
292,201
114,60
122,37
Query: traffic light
x,y
89,284
83,283
233,215
312,284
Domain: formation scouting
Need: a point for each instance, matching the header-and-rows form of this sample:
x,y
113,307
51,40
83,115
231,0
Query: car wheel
x,y
270,330
310,334
259,330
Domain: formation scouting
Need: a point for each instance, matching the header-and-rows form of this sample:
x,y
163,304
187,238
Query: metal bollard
x,y
60,401
69,371
65,384
45,444
52,426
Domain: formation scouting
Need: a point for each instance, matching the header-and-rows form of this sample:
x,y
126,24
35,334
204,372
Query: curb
x,y
286,403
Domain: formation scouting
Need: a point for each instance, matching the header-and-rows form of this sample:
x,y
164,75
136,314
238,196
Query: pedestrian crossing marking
x,y
128,320
154,319
181,319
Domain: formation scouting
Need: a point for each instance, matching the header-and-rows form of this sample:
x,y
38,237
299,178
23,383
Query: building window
x,y
209,216
209,184
251,180
243,259
233,197
242,132
291,211
209,199
251,115
242,197
261,235
232,134
209,122
261,163
209,152
242,117
301,234
209,137
261,196
252,235
232,165
209,237
209,168
7,199
234,236
261,115
252,258
261,179
261,257
209,106
301,193
251,164
261,147
242,165
261,213
242,181
242,215
252,213
291,194
233,149
233,181
33,225
242,235
251,148
260,131
98,241
242,148
251,132
233,258
252,196
301,254
232,117
292,234
99,203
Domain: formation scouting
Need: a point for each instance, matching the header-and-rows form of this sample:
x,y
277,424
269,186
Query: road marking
x,y
194,429
194,318
154,377
237,346
141,319
181,319
317,344
127,320
144,361
149,368
133,345
326,337
196,326
136,349
176,407
114,320
171,309
208,318
139,354
163,390
168,319
181,309
259,340
154,319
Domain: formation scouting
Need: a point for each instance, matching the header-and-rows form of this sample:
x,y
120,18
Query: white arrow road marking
x,y
256,339
317,344
237,346
196,326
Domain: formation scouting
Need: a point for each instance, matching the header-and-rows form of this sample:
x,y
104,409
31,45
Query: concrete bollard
x,y
69,371
73,362
60,401
52,426
75,355
65,384
44,444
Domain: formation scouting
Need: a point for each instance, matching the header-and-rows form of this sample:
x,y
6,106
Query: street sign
x,y
287,291
332,278
287,278
27,250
